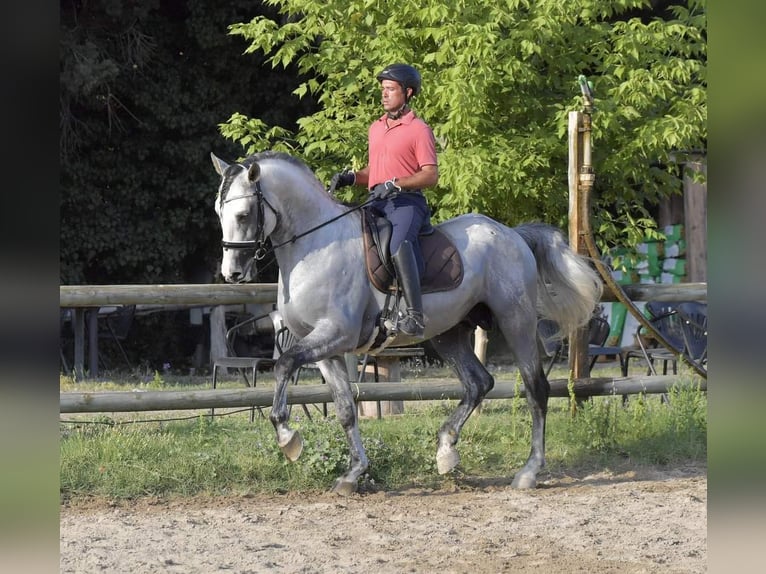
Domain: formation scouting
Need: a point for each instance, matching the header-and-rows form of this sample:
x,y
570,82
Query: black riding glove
x,y
342,179
383,190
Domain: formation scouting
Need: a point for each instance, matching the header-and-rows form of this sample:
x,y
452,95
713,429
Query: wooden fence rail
x,y
82,297
421,389
215,294
202,294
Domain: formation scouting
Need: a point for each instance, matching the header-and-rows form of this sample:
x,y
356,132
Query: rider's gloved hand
x,y
342,179
383,190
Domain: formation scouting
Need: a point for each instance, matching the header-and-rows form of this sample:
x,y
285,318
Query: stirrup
x,y
410,324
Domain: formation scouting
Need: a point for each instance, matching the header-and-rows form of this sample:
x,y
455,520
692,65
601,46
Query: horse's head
x,y
246,218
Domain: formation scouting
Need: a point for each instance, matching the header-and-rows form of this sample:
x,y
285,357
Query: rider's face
x,y
392,95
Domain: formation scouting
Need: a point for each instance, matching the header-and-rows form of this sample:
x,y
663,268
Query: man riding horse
x,y
401,163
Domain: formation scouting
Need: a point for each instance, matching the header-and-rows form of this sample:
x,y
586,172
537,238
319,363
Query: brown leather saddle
x,y
444,269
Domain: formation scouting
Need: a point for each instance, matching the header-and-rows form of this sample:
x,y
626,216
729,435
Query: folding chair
x,y
665,318
283,339
694,329
598,333
553,348
115,327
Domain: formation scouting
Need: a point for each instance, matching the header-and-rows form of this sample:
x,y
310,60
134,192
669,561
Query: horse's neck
x,y
309,225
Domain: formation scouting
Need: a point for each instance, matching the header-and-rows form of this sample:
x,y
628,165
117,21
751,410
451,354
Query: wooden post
x,y
480,342
695,221
578,341
389,370
218,333
78,323
93,342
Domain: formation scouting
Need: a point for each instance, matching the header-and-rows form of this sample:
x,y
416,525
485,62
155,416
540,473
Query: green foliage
x,y
142,88
498,82
647,429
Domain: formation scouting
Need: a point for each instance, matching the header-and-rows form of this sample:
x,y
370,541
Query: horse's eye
x,y
243,217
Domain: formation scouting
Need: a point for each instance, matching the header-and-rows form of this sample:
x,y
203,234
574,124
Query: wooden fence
x,y
89,296
213,294
422,389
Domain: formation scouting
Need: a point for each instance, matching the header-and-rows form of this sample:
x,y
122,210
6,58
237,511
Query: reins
x,y
321,225
259,243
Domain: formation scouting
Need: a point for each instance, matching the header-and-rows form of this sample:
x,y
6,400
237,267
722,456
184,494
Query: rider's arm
x,y
427,176
363,176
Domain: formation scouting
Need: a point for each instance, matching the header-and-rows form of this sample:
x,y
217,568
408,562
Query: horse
x,y
511,277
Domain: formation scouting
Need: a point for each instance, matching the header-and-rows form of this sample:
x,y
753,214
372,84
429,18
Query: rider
x,y
402,161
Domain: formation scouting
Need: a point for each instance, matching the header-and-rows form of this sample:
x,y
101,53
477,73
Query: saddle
x,y
444,269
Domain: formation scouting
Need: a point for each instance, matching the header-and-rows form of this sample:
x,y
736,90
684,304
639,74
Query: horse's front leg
x,y
289,440
335,375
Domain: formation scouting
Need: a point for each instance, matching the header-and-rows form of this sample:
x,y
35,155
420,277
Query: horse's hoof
x,y
293,448
447,458
344,487
523,481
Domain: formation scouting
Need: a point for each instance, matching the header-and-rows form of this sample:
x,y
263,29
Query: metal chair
x,y
665,318
550,347
283,340
252,363
598,334
553,348
694,329
115,327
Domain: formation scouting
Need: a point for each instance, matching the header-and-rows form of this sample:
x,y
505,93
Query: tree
x,y
143,87
499,79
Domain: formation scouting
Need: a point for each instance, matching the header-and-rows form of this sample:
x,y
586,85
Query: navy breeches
x,y
408,213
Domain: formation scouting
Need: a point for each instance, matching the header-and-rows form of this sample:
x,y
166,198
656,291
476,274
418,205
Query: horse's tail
x,y
568,287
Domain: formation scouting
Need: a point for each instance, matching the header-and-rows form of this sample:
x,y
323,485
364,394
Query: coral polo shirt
x,y
399,148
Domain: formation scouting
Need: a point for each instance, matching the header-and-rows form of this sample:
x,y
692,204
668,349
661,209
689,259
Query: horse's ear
x,y
219,165
254,172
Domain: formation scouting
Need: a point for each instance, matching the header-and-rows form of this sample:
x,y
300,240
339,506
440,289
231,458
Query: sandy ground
x,y
637,522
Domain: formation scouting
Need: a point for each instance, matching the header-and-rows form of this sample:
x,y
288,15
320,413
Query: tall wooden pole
x,y
578,341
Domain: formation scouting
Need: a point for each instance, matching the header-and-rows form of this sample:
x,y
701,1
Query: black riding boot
x,y
411,322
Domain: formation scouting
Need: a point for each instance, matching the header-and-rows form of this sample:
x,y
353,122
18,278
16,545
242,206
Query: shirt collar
x,y
407,118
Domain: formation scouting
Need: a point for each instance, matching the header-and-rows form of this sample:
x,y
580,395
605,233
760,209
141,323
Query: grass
x,y
128,455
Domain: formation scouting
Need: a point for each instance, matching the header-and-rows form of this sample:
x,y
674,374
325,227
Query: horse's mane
x,y
251,159
278,155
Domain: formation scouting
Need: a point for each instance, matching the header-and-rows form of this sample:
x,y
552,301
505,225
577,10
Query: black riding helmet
x,y
407,76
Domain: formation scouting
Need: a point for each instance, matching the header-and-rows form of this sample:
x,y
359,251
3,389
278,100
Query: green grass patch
x,y
119,458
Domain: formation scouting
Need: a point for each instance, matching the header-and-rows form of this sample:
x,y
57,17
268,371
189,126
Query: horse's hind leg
x,y
522,342
454,347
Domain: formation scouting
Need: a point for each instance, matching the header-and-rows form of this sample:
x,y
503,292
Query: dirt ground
x,y
643,521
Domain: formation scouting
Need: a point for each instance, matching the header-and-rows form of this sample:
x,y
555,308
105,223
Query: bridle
x,y
259,243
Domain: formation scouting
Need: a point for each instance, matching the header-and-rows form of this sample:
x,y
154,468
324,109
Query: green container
x,y
673,232
652,249
616,324
674,266
670,278
648,265
675,249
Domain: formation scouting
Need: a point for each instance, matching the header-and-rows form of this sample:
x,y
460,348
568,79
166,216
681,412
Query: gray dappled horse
x,y
327,301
